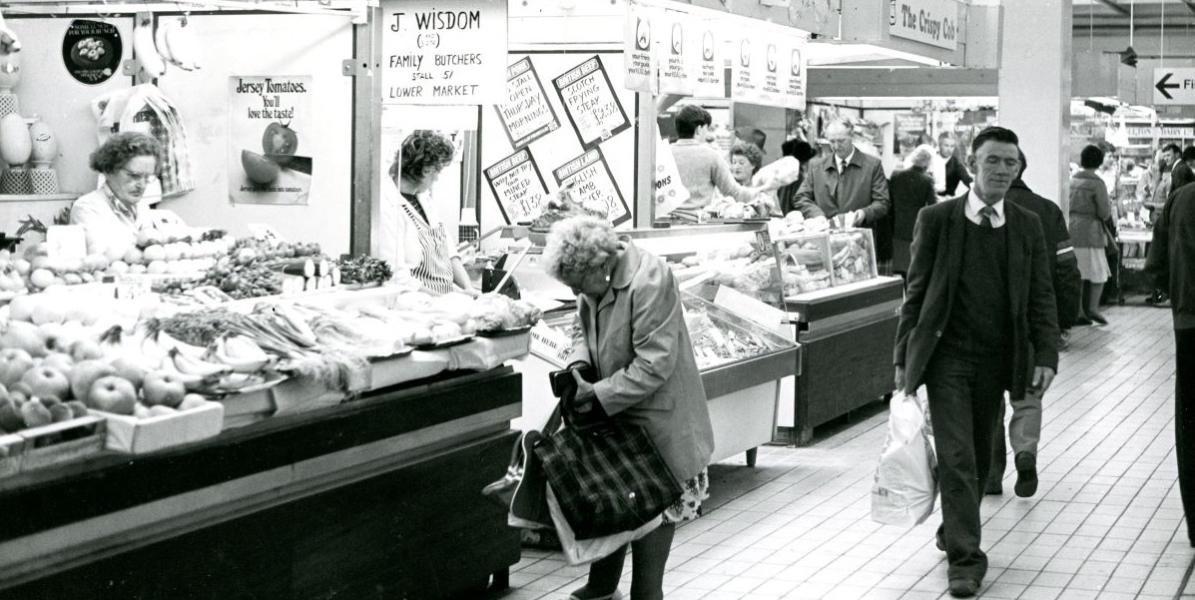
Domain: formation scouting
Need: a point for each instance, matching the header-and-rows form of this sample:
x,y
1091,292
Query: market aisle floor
x,y
1106,522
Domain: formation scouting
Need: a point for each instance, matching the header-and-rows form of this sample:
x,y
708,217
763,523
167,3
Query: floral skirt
x,y
688,507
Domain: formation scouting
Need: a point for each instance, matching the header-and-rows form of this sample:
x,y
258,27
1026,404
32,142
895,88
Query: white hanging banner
x,y
670,192
711,67
771,90
747,67
638,58
432,55
792,72
675,54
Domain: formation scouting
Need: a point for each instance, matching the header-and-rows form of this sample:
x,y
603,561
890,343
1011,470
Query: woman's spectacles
x,y
142,177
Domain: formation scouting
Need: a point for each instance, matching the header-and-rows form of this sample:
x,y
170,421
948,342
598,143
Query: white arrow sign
x,y
1174,86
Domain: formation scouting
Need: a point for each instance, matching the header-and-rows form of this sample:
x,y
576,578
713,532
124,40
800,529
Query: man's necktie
x,y
987,217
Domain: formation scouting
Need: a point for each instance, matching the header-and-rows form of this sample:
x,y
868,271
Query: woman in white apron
x,y
412,234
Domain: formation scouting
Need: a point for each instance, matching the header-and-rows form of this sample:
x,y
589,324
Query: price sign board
x,y
590,182
591,104
518,187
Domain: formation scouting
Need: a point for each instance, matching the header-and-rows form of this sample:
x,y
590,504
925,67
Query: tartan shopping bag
x,y
608,479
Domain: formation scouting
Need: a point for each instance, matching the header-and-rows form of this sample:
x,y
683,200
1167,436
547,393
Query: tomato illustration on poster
x,y
269,117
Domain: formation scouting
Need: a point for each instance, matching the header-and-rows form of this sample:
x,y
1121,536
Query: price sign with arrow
x,y
1174,86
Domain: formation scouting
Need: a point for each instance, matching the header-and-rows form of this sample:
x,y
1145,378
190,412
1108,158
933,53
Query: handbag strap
x,y
554,420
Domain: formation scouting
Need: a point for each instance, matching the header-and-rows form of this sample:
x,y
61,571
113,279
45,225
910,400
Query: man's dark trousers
x,y
1184,423
965,395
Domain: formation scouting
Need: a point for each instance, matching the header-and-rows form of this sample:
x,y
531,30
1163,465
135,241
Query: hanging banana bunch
x,y
143,47
173,42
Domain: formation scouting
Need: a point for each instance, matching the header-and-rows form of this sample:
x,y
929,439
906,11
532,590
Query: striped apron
x,y
435,268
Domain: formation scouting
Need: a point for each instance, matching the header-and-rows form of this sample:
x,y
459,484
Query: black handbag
x,y
523,489
608,479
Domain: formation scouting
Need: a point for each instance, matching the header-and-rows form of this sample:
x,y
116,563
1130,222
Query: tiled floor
x,y
1106,522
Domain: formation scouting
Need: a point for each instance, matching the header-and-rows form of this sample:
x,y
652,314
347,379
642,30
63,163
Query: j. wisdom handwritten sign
x,y
433,55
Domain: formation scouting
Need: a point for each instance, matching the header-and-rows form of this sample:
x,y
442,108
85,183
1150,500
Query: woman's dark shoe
x,y
1098,318
585,594
1083,320
964,587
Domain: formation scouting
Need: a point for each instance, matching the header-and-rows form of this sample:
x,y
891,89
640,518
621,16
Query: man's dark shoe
x,y
1083,320
1026,485
939,541
964,587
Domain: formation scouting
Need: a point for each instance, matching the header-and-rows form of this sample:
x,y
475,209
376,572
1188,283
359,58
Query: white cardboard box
x,y
129,434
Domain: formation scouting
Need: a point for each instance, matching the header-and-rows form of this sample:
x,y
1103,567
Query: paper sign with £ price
x,y
638,58
526,115
432,54
675,54
518,187
591,183
591,104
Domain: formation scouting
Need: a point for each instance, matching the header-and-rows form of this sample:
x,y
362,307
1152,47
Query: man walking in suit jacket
x,y
978,319
846,183
947,170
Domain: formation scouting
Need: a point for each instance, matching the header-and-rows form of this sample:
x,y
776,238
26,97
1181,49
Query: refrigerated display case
x,y
845,315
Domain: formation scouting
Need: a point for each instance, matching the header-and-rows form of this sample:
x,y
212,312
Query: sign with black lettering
x,y
436,54
590,102
710,80
933,22
792,73
677,54
526,115
638,59
518,187
590,182
746,67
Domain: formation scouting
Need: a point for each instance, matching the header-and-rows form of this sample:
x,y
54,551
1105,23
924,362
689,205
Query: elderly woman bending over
x,y
633,334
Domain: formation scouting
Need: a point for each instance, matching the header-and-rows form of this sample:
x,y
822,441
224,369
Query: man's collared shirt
x,y
975,204
841,163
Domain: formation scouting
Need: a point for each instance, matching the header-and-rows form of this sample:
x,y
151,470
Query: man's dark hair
x,y
798,149
689,118
1189,153
995,134
1172,147
1181,177
1024,163
1091,157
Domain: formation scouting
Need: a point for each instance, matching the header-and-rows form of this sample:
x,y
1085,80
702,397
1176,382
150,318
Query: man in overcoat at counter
x,y
849,183
979,319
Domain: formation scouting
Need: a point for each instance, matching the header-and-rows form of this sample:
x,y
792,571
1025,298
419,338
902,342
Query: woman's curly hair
x,y
749,151
422,149
119,149
579,246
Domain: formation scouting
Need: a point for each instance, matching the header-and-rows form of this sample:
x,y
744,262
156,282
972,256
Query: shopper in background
x,y
1179,175
419,242
947,170
847,184
1024,429
702,169
803,152
978,319
1089,208
745,161
1171,262
633,333
910,189
1158,182
116,211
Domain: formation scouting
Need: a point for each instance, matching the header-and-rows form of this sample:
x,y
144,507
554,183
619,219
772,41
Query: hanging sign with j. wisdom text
x,y
432,54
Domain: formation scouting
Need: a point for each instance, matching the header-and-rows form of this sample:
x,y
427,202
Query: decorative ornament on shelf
x,y
45,150
15,148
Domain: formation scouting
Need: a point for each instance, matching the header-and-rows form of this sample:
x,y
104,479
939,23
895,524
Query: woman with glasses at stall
x,y
118,209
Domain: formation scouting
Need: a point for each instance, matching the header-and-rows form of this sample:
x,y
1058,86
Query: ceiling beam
x,y
1190,5
1122,10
